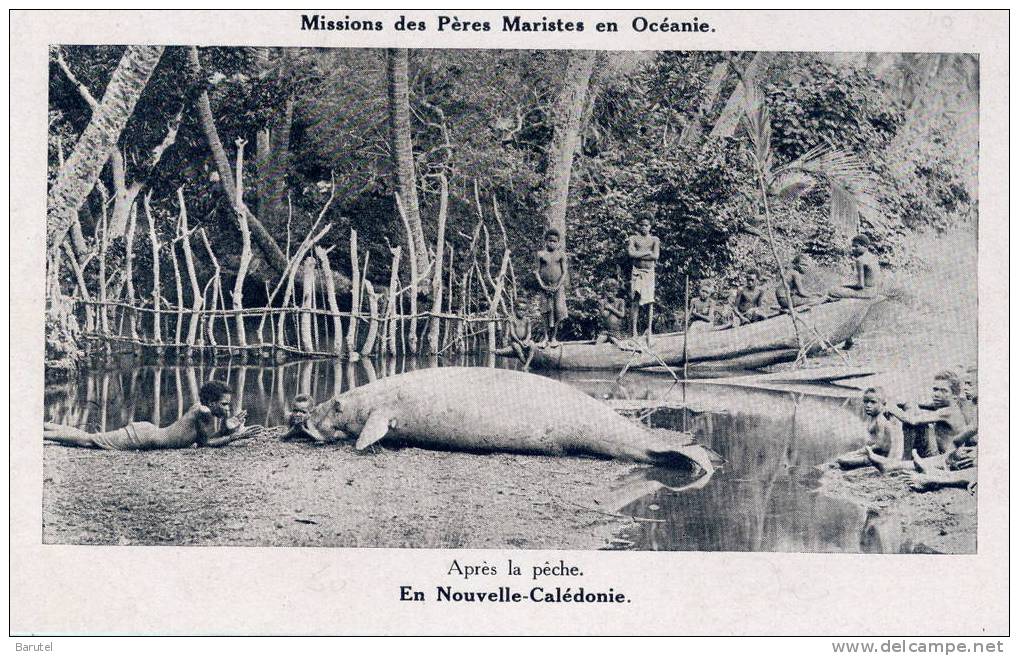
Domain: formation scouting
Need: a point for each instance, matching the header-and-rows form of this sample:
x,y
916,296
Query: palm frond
x,y
854,187
756,123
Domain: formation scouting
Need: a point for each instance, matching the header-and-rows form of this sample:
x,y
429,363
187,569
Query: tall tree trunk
x,y
566,117
266,243
81,170
272,150
397,75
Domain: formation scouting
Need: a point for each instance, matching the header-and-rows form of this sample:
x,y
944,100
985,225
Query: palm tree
x,y
850,182
397,74
81,170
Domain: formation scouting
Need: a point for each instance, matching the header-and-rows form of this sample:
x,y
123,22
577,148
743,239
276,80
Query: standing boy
x,y
643,250
550,272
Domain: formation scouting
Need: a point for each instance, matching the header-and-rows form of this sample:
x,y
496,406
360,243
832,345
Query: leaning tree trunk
x,y
266,243
81,170
403,150
566,117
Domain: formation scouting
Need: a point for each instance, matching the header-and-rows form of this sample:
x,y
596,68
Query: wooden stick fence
x,y
467,300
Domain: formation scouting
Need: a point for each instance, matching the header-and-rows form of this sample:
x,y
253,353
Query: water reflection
x,y
762,499
113,398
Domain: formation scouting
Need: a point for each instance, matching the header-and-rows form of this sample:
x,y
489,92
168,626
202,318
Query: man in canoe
x,y
197,426
611,315
867,271
750,301
795,279
643,249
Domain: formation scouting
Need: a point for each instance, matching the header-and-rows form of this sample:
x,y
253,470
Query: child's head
x,y
644,226
946,388
611,287
873,401
520,306
552,239
216,396
723,294
300,408
969,384
800,262
860,244
705,290
752,278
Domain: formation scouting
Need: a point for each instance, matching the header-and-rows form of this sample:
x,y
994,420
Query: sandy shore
x,y
904,521
269,493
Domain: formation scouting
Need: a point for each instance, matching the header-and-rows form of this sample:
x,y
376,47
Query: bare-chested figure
x,y
884,433
795,278
941,421
551,268
750,301
196,426
867,269
643,250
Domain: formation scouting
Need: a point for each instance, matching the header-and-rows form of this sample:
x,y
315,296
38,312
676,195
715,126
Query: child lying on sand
x,y
196,426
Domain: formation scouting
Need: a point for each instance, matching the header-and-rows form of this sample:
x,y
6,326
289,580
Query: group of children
x,y
711,309
941,434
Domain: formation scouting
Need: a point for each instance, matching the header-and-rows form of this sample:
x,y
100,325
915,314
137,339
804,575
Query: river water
x,y
763,498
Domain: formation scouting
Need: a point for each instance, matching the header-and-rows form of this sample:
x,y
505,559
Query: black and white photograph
x,y
717,301
589,304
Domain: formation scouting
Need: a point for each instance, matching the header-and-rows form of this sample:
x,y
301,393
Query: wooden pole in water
x,y
355,294
686,323
189,261
391,311
308,303
330,292
435,323
157,328
373,323
132,323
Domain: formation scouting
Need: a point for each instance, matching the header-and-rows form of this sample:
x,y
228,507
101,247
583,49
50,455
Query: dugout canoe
x,y
750,346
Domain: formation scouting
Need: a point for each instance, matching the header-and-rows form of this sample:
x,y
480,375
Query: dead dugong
x,y
484,409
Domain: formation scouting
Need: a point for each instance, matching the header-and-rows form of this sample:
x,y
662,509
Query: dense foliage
x,y
482,118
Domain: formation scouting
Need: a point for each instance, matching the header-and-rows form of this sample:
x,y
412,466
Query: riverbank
x,y
904,521
929,320
268,493
928,323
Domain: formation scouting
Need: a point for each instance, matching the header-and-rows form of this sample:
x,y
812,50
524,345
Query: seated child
x,y
197,426
702,308
611,314
866,282
884,433
957,468
518,334
941,420
796,280
969,395
750,301
726,315
298,420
